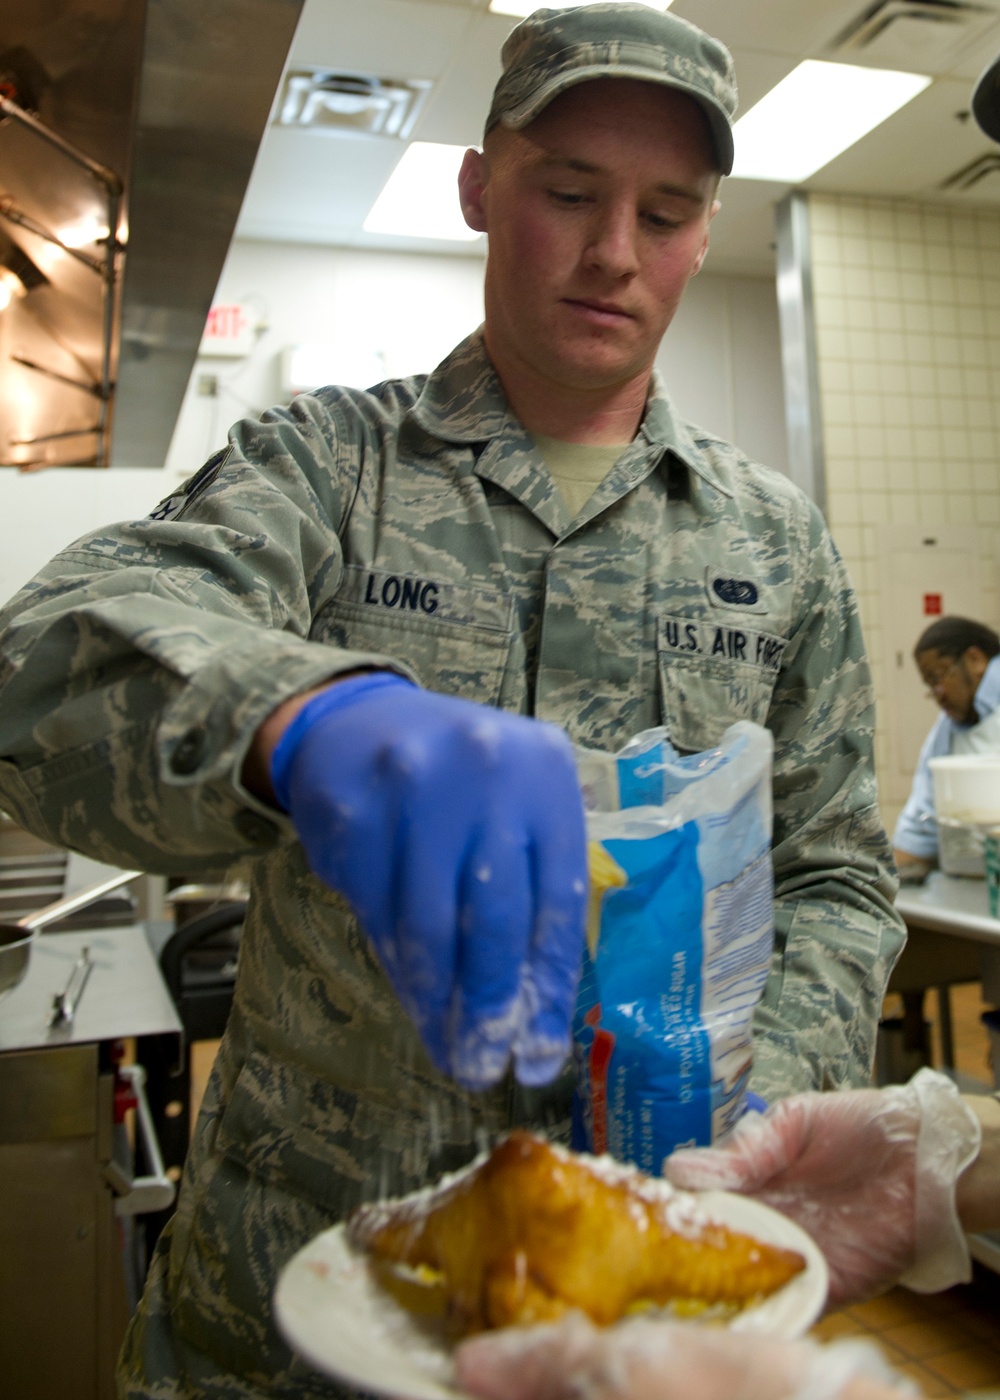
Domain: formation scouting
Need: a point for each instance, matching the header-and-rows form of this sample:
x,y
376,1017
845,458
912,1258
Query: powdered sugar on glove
x,y
643,1359
869,1173
456,832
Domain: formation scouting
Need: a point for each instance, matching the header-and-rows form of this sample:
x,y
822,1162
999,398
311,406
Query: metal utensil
x,y
64,1003
16,938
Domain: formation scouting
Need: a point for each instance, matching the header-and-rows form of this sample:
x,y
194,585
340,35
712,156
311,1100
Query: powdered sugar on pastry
x,y
532,1231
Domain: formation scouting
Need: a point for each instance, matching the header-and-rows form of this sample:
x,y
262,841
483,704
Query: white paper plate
x,y
333,1313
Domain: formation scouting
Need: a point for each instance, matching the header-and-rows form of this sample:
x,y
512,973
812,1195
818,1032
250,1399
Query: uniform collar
x,y
664,427
462,401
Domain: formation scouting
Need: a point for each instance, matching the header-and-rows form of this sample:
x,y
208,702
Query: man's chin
x,y
957,717
598,371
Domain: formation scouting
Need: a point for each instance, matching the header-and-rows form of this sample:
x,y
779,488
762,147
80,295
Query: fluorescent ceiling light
x,y
522,8
420,198
819,110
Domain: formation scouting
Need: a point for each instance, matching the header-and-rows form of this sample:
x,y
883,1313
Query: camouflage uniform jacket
x,y
414,526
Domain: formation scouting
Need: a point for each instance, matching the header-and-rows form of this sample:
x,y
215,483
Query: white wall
x,y
401,311
42,512
721,359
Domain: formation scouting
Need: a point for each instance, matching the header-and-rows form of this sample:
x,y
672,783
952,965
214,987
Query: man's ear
x,y
471,185
976,661
700,258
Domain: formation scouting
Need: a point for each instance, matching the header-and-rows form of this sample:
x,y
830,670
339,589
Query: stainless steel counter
x,y
951,938
67,1182
949,904
124,996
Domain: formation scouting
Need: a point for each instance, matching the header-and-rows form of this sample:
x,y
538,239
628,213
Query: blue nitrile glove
x,y
456,832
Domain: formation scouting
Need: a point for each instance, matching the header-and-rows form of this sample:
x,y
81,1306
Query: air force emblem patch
x,y
733,590
739,592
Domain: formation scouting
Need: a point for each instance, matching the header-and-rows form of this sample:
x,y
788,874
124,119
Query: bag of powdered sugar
x,y
679,942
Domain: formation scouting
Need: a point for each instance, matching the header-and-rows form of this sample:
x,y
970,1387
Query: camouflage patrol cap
x,y
986,100
552,50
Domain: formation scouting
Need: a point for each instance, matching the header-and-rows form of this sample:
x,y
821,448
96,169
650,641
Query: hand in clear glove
x,y
456,833
652,1360
870,1174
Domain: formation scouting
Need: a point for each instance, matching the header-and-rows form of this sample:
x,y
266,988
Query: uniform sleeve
x,y
137,666
837,934
916,827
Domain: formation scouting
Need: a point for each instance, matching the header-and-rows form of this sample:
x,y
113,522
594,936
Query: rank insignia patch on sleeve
x,y
171,506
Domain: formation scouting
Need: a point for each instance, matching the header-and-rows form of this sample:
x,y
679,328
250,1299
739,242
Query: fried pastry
x,y
534,1231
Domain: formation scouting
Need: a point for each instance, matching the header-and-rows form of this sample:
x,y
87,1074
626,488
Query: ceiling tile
x,y
392,38
457,108
791,27
317,183
914,151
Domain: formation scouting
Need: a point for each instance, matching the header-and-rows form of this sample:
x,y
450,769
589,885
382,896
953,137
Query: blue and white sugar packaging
x,y
677,964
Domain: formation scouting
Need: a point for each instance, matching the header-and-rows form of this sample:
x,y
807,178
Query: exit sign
x,y
933,604
229,330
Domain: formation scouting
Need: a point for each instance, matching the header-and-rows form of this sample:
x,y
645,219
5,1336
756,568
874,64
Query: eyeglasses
x,y
934,687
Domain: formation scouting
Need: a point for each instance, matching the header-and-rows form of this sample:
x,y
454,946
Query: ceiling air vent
x,y
350,103
972,174
905,33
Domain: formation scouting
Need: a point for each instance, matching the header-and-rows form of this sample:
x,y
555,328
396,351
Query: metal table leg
x,y
944,1024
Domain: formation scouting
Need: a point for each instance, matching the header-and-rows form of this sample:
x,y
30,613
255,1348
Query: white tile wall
x,y
907,305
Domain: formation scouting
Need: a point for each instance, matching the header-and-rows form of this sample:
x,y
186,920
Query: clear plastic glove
x,y
869,1173
456,832
653,1360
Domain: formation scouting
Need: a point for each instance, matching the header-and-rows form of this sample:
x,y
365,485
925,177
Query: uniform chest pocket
x,y
711,675
455,638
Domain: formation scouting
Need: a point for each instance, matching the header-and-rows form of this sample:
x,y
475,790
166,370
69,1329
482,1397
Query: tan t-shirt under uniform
x,y
577,468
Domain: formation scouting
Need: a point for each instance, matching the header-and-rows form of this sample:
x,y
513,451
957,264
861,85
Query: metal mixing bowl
x,y
16,938
15,953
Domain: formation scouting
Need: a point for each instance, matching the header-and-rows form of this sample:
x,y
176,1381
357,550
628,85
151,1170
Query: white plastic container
x,y
967,803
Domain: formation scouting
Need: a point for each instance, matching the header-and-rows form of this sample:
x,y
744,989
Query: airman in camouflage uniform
x,y
414,527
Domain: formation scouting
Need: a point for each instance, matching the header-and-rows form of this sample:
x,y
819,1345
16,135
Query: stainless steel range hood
x,y
170,98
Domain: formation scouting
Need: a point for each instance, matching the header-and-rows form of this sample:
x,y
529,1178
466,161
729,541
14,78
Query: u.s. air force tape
x,y
690,637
